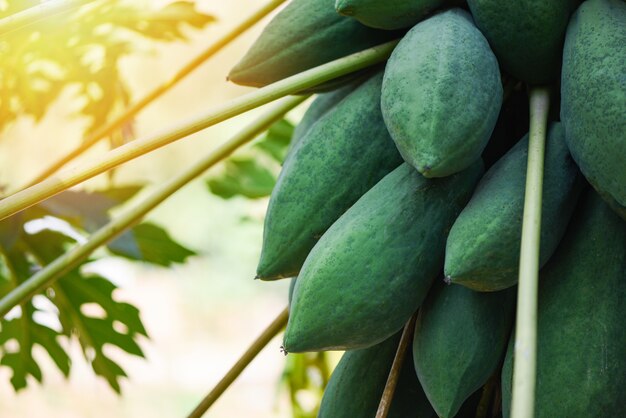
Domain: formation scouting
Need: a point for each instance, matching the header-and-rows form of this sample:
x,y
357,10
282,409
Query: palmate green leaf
x,y
85,305
24,330
253,175
82,49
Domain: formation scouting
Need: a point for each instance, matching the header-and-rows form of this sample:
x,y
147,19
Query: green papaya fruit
x,y
526,35
303,35
593,96
442,94
344,154
371,270
581,344
483,247
358,381
459,341
388,14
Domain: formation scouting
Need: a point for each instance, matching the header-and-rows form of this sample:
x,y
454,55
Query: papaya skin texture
x,y
442,94
305,34
526,35
371,270
593,96
459,341
388,14
358,381
483,248
349,142
581,366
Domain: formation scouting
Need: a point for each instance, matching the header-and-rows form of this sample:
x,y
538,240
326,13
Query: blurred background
x,y
201,314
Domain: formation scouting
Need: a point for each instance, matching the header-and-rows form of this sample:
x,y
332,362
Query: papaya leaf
x,y
83,49
253,175
150,243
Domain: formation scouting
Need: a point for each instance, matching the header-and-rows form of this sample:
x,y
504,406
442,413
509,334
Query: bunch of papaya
x,y
401,201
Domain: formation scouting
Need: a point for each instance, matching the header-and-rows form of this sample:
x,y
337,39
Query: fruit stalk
x,y
270,332
134,109
76,175
128,218
396,367
525,367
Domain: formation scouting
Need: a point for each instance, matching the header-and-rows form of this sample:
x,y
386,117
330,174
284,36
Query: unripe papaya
x,y
442,94
581,344
371,270
351,143
483,247
358,381
593,96
526,35
460,339
389,14
305,34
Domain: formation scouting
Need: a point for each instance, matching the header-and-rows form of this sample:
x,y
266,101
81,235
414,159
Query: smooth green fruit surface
x,y
460,338
305,34
358,381
593,96
442,94
581,344
483,247
526,35
371,270
344,154
388,14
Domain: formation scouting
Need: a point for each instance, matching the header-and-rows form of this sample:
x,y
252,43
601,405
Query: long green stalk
x,y
134,109
37,13
270,332
73,176
525,363
131,216
396,368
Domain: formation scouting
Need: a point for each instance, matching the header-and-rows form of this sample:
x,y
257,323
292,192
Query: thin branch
x,y
307,79
396,368
133,215
35,14
270,332
133,110
525,363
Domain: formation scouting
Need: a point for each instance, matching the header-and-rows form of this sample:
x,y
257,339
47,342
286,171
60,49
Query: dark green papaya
x,y
358,381
526,35
305,34
442,94
593,96
459,341
344,154
581,338
371,270
389,14
483,247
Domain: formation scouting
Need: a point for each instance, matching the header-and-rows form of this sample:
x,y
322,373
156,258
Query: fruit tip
x,y
447,280
282,350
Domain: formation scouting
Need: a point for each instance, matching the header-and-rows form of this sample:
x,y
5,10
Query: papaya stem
x,y
127,152
133,215
32,15
525,349
134,109
266,336
396,367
